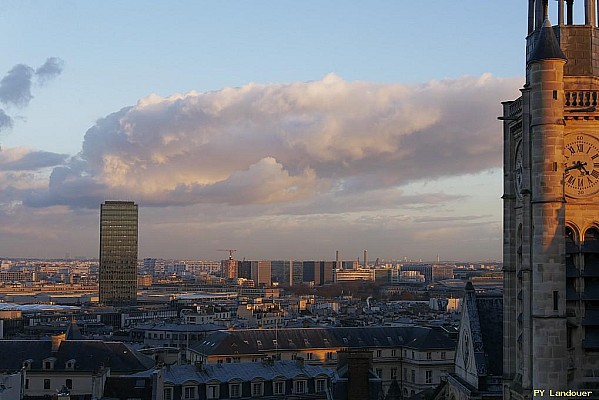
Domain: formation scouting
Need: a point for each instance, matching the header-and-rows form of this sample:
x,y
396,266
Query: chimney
x,y
358,374
365,258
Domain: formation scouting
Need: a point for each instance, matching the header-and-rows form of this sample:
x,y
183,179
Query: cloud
x,y
50,69
285,144
6,121
15,86
25,160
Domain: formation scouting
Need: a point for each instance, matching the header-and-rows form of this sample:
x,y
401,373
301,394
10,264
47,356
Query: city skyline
x,y
287,132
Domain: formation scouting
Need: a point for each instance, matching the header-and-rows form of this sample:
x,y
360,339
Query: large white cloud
x,y
284,143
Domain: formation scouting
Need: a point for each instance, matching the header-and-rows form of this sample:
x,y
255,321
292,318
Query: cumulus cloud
x,y
24,172
285,143
6,121
21,159
15,86
50,69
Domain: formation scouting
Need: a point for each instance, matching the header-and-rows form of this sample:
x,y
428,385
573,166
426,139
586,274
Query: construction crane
x,y
231,251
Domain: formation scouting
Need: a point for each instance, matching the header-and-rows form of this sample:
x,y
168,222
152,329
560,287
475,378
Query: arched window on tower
x,y
519,306
572,272
590,321
590,251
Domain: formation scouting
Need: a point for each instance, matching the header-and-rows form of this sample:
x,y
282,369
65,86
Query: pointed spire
x,y
546,46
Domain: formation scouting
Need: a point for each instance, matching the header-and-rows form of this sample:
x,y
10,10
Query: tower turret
x,y
551,207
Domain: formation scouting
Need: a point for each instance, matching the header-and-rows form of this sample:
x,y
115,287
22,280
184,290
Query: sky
x,y
282,129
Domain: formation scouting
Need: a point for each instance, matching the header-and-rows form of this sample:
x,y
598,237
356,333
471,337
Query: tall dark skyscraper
x,y
118,253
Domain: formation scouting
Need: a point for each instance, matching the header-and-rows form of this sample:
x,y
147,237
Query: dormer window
x,y
48,363
70,364
27,364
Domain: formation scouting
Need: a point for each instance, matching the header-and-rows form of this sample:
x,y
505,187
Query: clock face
x,y
581,176
518,175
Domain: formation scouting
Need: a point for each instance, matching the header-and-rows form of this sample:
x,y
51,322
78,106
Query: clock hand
x,y
577,165
582,168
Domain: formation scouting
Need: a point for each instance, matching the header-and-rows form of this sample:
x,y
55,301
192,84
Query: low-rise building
x,y
415,357
79,367
171,335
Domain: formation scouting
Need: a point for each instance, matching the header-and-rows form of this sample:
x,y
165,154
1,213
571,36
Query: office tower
x,y
258,271
424,269
297,273
118,253
281,271
551,208
261,273
229,269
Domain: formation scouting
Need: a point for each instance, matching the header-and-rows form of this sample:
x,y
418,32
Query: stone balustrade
x,y
581,98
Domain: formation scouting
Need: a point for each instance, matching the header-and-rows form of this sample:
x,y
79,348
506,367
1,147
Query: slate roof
x,y
89,355
256,341
490,314
184,328
246,372
486,328
546,46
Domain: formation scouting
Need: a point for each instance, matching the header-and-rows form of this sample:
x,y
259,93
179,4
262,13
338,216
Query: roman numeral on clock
x,y
571,179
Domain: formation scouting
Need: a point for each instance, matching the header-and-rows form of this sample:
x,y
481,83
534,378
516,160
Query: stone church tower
x,y
551,207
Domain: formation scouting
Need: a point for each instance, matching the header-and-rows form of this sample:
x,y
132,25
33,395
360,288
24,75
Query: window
x,y
321,385
379,353
46,384
429,376
26,383
329,355
47,365
234,390
405,374
69,383
413,375
189,392
429,356
393,353
278,387
309,356
412,355
379,372
257,389
300,387
393,373
212,391
443,355
168,393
